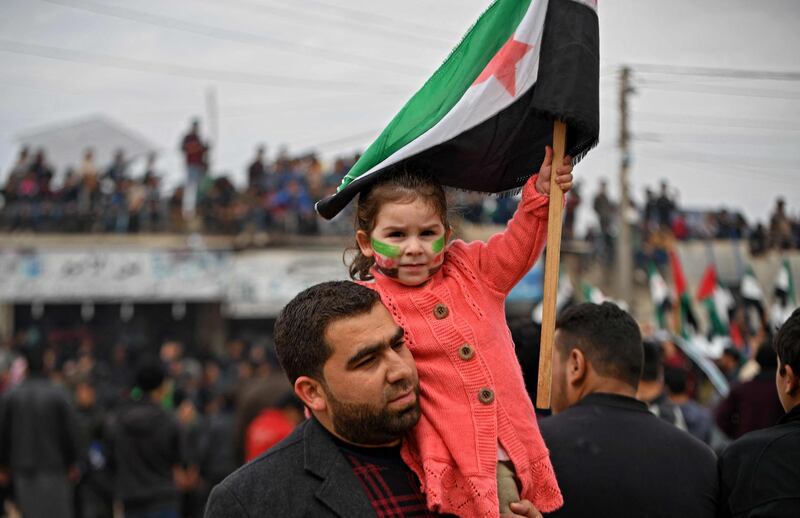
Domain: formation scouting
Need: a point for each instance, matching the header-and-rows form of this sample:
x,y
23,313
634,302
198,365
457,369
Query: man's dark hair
x,y
608,337
150,374
766,358
653,366
675,379
527,336
34,358
300,328
787,343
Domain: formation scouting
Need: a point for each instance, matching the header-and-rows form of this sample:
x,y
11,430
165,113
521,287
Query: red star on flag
x,y
503,65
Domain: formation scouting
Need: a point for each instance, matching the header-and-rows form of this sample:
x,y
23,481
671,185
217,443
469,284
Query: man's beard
x,y
362,423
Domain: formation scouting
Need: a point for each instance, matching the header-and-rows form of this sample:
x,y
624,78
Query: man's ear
x,y
576,367
791,381
310,393
364,243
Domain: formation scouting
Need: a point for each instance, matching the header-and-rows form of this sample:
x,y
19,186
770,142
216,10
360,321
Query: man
x,y
754,404
39,442
759,474
349,365
611,455
257,172
194,152
697,417
651,386
146,449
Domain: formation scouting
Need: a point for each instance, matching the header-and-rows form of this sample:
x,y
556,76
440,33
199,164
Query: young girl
x,y
478,429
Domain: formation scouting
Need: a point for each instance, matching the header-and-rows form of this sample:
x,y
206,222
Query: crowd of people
x,y
658,219
145,426
141,426
404,398
280,193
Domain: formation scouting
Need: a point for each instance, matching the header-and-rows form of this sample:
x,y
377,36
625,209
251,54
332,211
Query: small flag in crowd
x,y
784,285
481,122
592,293
753,298
717,300
687,321
659,294
785,300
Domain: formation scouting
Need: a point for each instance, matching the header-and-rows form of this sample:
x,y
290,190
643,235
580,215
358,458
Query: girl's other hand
x,y
563,173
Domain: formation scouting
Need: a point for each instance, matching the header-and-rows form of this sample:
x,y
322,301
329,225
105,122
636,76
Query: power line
x,y
720,90
764,167
732,73
783,180
357,137
230,76
371,17
265,41
693,119
327,22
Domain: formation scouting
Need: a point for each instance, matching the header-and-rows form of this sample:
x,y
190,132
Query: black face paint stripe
x,y
389,272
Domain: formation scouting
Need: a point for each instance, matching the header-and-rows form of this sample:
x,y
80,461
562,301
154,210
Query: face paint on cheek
x,y
438,248
386,256
438,245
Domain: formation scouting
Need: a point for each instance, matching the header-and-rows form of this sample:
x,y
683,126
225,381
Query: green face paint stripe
x,y
438,245
386,250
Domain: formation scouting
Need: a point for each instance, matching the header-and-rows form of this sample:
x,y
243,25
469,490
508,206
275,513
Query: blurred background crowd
x,y
707,372
126,196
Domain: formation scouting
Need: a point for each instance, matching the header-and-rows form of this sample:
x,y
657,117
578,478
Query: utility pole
x,y
624,251
212,113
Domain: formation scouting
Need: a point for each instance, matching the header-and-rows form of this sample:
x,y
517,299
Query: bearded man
x,y
349,364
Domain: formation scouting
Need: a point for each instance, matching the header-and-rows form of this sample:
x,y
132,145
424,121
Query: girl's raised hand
x,y
563,173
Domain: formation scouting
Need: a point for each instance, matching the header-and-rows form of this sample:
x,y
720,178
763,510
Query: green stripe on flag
x,y
447,85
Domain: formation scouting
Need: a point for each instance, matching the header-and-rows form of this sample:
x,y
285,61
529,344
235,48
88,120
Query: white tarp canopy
x,y
65,143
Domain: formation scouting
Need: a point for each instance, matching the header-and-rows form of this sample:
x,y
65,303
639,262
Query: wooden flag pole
x,y
551,269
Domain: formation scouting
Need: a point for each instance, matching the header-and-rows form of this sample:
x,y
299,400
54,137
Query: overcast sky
x,y
329,75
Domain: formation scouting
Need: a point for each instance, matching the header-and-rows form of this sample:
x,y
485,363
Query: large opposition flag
x,y
481,122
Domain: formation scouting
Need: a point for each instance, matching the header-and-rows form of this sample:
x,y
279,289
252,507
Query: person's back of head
x,y
787,347
653,366
34,358
766,358
150,374
676,380
300,328
607,336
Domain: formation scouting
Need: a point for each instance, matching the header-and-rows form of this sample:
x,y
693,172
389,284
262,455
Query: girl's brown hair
x,y
399,187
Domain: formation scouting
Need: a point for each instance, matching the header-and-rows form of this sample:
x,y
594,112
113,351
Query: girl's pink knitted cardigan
x,y
472,391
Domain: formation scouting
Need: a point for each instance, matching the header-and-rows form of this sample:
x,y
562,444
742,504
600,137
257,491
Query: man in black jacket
x,y
350,366
760,472
612,457
39,442
146,449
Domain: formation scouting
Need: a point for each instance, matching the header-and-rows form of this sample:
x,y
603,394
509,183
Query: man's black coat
x,y
305,475
612,457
